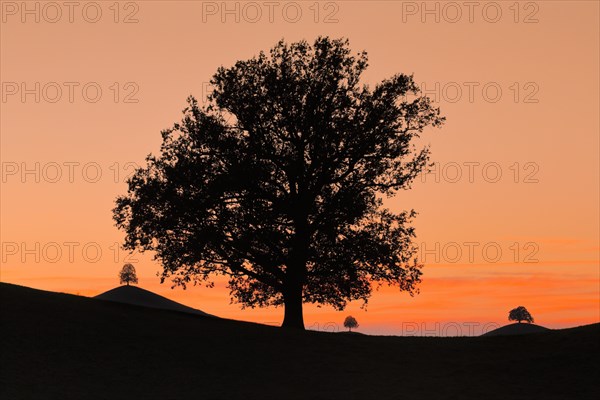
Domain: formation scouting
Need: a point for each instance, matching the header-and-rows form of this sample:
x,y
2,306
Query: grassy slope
x,y
517,329
63,346
137,296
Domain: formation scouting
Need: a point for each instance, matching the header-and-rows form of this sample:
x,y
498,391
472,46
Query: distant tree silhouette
x,y
520,314
350,322
128,275
278,182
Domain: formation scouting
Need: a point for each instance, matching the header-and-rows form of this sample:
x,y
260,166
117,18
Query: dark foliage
x,y
127,274
278,182
350,322
520,314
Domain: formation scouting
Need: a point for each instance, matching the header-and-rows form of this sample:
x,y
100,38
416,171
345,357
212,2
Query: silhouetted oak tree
x,y
350,322
128,275
278,181
520,314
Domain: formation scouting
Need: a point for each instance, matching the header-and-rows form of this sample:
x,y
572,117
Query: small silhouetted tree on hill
x,y
278,182
128,275
520,314
350,322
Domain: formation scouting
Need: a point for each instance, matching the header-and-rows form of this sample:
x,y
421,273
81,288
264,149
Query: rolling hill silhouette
x,y
141,297
516,329
60,346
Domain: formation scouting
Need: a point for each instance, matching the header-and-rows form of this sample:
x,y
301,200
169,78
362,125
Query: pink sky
x,y
541,135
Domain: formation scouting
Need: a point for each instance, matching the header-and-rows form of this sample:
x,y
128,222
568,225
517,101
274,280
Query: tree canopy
x,y
520,314
350,322
278,181
127,274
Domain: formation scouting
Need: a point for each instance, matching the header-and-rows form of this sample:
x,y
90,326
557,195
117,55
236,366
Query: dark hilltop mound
x,y
517,329
141,297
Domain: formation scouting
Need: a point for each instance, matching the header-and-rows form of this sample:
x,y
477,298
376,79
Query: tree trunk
x,y
296,276
293,316
292,293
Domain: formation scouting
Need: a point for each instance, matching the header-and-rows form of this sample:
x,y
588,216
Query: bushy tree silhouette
x,y
128,275
520,314
350,322
278,181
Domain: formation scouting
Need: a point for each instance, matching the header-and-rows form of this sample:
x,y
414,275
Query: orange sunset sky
x,y
509,216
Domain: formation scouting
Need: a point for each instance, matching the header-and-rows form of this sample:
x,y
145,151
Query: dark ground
x,y
141,297
517,329
57,346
